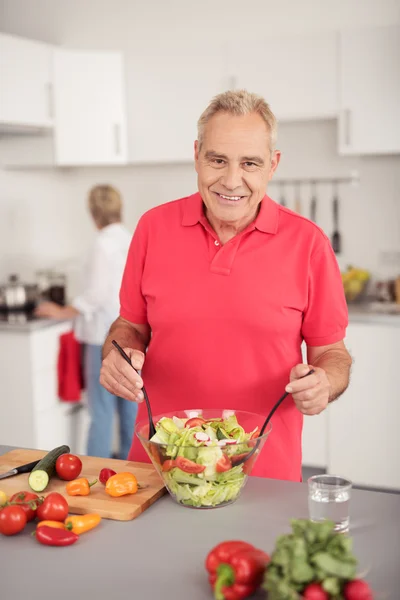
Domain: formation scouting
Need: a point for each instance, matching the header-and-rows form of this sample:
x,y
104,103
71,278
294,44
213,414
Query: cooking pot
x,y
15,295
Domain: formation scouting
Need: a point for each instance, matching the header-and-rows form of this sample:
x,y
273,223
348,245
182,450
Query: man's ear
x,y
276,157
196,153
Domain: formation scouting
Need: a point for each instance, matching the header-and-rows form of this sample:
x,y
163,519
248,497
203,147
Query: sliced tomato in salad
x,y
188,466
194,422
168,465
224,464
255,434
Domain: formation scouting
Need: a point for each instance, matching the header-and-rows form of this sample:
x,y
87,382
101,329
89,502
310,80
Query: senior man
x,y
221,288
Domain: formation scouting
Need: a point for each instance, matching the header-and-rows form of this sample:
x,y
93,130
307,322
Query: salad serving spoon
x,y
152,429
246,457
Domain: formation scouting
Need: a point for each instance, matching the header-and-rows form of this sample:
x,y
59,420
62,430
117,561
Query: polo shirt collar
x,y
266,220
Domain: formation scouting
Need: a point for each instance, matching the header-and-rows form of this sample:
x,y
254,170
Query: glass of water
x,y
329,498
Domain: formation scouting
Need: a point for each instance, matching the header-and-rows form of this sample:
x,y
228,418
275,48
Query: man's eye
x,y
218,161
250,164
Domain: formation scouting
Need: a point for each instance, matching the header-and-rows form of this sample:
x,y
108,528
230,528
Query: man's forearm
x,y
337,364
127,337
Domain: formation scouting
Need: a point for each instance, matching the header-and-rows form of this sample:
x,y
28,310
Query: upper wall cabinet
x,y
73,100
369,121
89,104
25,84
296,74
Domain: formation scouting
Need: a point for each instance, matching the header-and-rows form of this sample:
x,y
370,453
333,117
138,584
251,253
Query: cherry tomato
x,y
23,498
224,464
68,466
54,508
184,464
195,422
12,520
168,465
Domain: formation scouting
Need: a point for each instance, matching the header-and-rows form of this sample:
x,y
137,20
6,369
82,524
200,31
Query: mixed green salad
x,y
198,456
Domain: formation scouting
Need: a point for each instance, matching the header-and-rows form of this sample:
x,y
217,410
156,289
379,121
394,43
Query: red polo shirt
x,y
228,320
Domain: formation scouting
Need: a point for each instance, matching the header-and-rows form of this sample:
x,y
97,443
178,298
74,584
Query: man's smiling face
x,y
234,165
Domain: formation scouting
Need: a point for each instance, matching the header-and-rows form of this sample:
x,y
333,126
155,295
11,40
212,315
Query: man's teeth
x,y
230,197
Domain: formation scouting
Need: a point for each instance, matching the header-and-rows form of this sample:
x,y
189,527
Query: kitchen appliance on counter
x,y
52,286
18,297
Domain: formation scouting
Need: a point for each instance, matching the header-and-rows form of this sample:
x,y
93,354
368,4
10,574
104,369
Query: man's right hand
x,y
118,377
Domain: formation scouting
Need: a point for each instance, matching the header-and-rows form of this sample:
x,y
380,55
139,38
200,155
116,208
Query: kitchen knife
x,y
22,469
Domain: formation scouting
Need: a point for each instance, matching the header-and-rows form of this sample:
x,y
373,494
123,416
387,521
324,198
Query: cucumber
x,y
40,475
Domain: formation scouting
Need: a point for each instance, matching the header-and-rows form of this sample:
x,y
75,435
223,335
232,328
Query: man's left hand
x,y
310,394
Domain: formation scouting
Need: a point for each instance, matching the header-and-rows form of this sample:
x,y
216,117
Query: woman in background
x,y
94,310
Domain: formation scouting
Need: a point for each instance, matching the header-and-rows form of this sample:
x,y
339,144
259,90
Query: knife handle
x,y
27,468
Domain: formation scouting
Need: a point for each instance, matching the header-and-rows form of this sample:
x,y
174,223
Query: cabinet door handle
x,y
50,100
117,138
347,137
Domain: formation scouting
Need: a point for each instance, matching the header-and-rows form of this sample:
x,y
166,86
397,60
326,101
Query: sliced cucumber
x,y
41,474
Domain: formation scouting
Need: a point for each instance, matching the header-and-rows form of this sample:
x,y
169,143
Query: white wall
x,y
43,218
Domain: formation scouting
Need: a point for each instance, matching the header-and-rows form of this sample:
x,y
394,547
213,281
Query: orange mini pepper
x,y
55,524
81,523
79,487
121,484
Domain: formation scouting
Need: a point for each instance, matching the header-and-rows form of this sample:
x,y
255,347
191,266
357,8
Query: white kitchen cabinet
x,y
315,440
296,74
32,416
90,111
369,121
170,88
315,434
25,83
363,426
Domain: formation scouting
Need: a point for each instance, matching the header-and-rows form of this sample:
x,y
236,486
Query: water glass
x,y
329,498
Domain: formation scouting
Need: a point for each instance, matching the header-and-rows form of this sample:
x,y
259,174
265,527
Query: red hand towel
x,y
69,368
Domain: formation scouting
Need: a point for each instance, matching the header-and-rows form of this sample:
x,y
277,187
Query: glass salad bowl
x,y
199,453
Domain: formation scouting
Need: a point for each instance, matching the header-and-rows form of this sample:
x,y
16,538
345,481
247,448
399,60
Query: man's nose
x,y
232,177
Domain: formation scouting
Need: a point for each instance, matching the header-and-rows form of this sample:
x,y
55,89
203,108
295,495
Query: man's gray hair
x,y
239,103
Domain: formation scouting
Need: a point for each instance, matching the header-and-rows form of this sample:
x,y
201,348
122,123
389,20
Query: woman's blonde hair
x,y
105,205
239,103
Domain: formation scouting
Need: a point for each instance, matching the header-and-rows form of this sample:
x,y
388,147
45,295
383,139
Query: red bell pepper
x,y
236,569
50,536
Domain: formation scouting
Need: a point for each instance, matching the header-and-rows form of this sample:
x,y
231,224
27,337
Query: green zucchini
x,y
40,475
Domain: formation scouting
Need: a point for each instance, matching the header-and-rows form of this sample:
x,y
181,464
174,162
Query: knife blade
x,y
22,469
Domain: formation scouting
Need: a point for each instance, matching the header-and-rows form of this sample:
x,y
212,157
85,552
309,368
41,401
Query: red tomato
x,y
54,508
12,520
168,465
184,464
224,464
248,464
195,422
68,467
23,498
255,434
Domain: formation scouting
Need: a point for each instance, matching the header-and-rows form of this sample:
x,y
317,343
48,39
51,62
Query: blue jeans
x,y
102,406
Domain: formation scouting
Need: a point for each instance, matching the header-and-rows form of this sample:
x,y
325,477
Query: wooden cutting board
x,y
124,508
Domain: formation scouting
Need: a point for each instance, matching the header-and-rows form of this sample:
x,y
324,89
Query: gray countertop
x,y
160,555
28,326
358,313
